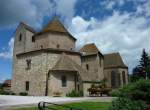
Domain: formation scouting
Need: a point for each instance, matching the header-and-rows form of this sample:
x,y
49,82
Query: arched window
x,y
20,37
64,81
124,77
87,66
113,79
33,39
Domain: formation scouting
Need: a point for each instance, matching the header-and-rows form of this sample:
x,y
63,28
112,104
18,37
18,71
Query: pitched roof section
x,y
27,27
55,26
89,48
113,60
67,64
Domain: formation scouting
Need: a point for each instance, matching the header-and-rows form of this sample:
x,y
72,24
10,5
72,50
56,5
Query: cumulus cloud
x,y
8,52
124,33
32,11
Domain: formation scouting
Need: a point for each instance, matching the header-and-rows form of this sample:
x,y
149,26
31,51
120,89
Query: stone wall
x,y
118,71
55,84
95,65
53,40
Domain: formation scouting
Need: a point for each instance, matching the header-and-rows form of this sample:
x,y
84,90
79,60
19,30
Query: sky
x,y
113,25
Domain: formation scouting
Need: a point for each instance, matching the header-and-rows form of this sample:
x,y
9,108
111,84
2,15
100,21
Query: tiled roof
x,y
27,27
89,48
67,64
113,60
55,26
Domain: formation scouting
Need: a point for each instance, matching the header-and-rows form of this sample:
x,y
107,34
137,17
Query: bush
x,y
126,104
114,93
134,92
74,93
23,93
6,92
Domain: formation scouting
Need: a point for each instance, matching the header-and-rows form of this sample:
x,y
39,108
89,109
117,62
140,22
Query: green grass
x,y
82,105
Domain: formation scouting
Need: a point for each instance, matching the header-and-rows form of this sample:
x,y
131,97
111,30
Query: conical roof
x,y
55,25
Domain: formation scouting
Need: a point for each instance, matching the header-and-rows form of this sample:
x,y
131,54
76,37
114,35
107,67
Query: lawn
x,y
81,105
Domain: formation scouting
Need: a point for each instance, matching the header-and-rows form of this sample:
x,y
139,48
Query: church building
x,y
46,63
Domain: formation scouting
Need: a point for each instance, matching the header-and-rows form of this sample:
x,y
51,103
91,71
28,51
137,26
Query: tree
x,y
143,69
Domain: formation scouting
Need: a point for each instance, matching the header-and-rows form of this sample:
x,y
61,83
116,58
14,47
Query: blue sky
x,y
113,25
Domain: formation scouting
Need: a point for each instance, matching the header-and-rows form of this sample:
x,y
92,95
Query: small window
x,y
58,45
87,66
27,85
123,77
33,39
64,81
28,61
20,37
41,46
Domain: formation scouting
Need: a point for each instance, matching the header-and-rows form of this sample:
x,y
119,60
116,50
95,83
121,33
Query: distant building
x,y
7,85
46,63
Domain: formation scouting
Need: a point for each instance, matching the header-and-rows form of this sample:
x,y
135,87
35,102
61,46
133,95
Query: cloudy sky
x,y
113,25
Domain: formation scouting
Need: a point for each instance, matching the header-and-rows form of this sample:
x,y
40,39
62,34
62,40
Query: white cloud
x,y
8,52
32,11
124,33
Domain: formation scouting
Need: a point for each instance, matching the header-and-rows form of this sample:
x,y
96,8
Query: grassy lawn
x,y
82,105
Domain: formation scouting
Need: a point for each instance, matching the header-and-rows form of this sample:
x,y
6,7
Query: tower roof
x,y
89,48
55,25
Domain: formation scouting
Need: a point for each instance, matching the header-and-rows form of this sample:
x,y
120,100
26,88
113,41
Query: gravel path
x,y
7,101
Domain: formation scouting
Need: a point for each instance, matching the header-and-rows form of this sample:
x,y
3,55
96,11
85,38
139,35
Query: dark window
x,y
63,81
113,79
58,45
87,66
124,77
27,85
41,46
20,37
28,61
33,39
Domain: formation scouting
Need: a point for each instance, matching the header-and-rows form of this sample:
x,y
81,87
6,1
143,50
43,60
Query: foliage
x,y
136,92
126,104
115,93
143,69
23,93
74,93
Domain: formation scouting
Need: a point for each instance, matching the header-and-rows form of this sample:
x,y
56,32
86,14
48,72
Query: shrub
x,y
23,93
74,93
134,92
114,93
126,104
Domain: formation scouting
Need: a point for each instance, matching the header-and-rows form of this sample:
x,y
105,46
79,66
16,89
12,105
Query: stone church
x,y
46,63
